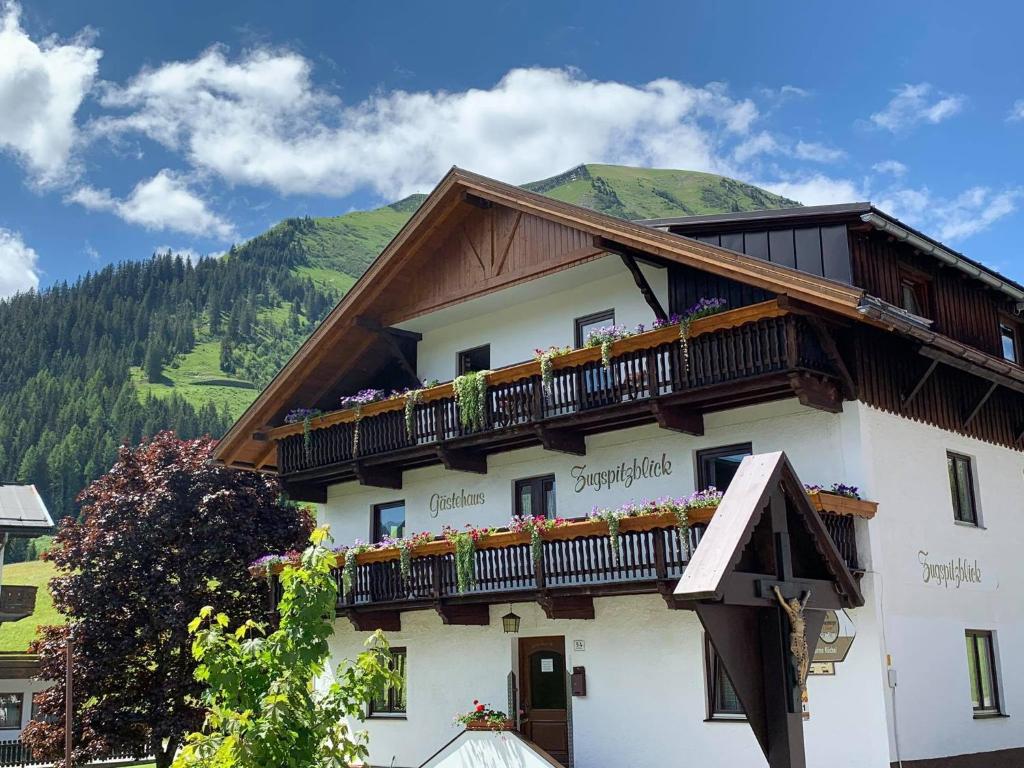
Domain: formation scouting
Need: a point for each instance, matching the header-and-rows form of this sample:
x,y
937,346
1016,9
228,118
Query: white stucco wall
x,y
814,441
905,463
645,702
540,313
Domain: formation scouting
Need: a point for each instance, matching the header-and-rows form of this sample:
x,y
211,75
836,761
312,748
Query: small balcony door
x,y
543,695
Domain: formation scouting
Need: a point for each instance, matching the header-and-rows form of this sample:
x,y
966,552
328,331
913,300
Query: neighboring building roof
x,y
18,666
22,511
864,211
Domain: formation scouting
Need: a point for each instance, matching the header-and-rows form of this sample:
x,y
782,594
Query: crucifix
x,y
761,579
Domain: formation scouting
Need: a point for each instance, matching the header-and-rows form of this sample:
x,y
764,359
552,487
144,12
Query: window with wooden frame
x,y
10,710
961,487
717,466
981,663
1009,340
914,292
391,701
388,521
535,497
475,359
723,703
582,326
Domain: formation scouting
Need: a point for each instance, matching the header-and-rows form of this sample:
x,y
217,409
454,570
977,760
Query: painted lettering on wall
x,y
444,502
624,474
950,572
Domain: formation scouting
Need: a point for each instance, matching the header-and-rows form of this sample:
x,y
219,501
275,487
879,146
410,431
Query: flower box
x,y
487,725
823,501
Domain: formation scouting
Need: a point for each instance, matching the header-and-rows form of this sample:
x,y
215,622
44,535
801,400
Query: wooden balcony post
x,y
537,390
660,564
653,385
437,588
439,420
538,569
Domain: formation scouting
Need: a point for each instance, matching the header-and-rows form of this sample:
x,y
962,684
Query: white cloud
x,y
41,88
762,143
18,270
1017,111
890,167
259,120
815,189
970,212
818,153
915,104
163,202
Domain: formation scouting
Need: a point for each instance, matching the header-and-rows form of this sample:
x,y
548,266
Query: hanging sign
x,y
837,634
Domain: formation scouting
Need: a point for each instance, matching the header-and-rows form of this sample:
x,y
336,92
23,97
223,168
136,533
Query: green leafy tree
x,y
263,706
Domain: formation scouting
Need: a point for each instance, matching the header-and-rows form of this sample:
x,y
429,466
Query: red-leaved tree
x,y
163,533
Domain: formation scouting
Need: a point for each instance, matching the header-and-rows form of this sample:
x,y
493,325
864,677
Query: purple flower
x,y
301,414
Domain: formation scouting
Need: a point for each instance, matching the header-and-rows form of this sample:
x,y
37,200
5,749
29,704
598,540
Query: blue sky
x,y
126,127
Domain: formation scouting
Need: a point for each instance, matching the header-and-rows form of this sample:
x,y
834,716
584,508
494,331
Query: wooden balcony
x,y
16,602
739,357
577,564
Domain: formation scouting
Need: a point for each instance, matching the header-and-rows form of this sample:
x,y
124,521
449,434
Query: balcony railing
x,y
579,559
16,602
754,348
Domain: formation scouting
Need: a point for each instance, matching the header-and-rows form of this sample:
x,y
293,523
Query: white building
x,y
871,355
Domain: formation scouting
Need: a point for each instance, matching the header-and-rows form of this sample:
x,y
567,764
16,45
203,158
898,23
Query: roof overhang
x,y
22,512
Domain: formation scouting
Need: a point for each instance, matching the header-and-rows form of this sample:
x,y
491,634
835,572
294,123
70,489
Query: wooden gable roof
x,y
473,235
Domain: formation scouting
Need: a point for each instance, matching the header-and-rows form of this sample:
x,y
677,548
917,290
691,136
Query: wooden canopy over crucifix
x,y
765,572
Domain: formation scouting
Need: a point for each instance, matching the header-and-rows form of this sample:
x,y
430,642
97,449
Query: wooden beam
x,y
468,614
645,287
816,393
385,335
370,621
314,493
476,200
908,398
463,460
979,405
567,606
678,418
562,440
379,477
828,345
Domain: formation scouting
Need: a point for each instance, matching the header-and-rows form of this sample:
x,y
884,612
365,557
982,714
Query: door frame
x,y
526,646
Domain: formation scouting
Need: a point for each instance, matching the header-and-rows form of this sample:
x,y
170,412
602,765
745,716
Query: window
x,y
1008,336
10,710
981,663
475,359
587,323
914,293
392,700
961,485
535,496
717,466
388,521
723,703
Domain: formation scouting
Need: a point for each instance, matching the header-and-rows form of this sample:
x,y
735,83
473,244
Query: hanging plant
x,y
535,526
464,543
355,430
471,399
405,547
306,416
604,337
702,308
547,369
412,398
611,518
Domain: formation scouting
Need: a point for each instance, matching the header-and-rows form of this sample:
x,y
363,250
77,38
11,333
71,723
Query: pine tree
x,y
155,361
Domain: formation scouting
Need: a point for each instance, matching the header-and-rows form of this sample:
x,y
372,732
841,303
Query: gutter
x,y
944,255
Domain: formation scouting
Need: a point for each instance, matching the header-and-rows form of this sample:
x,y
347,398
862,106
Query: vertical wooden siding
x,y
887,367
961,308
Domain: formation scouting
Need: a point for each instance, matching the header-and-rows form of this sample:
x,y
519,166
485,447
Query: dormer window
x,y
914,294
1009,338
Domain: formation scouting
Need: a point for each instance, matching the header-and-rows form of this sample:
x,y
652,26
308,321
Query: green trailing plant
x,y
306,416
703,308
261,706
535,526
604,337
412,398
355,430
464,543
471,399
547,369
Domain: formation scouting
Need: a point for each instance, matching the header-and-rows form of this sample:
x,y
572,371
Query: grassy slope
x,y
339,248
17,635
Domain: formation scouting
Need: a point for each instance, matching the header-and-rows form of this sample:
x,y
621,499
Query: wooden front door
x,y
543,694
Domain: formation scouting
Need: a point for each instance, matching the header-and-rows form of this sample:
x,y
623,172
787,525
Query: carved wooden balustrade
x,y
747,355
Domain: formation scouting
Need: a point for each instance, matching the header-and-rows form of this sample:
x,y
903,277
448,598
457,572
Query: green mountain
x,y
165,343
